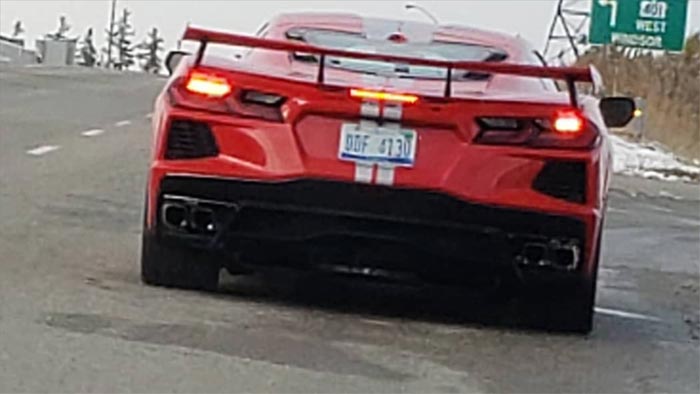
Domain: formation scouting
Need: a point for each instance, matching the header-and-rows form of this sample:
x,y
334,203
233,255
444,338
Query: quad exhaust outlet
x,y
191,215
556,254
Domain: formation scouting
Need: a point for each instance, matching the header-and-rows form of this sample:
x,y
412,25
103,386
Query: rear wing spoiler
x,y
570,75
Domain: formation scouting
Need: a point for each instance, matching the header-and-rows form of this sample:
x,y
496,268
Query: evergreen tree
x,y
122,45
18,29
87,51
112,42
149,52
125,48
63,28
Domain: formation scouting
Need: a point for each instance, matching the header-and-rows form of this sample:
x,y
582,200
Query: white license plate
x,y
378,145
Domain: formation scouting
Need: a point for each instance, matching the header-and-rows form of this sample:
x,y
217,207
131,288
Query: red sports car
x,y
382,148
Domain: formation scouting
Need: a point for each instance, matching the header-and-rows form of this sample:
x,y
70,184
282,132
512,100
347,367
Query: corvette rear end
x,y
455,171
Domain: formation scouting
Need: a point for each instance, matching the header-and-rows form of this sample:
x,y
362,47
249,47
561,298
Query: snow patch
x,y
651,161
664,193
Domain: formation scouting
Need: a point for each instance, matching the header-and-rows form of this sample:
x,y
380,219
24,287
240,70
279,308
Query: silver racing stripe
x,y
386,172
380,29
377,30
368,109
385,175
371,81
363,172
392,111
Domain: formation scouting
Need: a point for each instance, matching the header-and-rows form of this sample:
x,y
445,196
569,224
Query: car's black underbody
x,y
365,229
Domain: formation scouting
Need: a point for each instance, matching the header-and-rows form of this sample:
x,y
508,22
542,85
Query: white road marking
x,y
92,133
149,116
690,222
42,150
123,123
625,314
618,210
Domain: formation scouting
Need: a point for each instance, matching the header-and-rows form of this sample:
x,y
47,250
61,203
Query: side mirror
x,y
617,111
173,59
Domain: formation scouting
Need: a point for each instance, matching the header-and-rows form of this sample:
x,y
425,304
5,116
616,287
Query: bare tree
x,y
669,82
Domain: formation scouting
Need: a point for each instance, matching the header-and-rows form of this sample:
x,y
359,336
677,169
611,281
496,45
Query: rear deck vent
x,y
190,140
563,179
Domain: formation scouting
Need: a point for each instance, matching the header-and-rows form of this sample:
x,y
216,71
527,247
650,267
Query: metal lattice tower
x,y
566,33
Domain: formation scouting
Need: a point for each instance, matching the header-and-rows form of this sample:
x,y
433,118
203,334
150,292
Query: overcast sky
x,y
529,18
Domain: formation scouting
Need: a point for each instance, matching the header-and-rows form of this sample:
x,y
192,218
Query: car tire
x,y
565,310
172,265
571,307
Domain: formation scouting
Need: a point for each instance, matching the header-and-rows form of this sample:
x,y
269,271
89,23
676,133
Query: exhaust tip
x,y
175,215
557,254
565,256
534,254
203,219
196,217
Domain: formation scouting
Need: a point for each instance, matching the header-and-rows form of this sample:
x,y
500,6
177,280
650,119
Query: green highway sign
x,y
651,24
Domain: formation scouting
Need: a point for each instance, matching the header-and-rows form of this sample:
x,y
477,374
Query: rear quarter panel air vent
x,y
565,180
190,140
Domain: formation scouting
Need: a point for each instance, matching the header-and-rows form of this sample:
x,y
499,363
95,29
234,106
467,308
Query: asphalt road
x,y
75,317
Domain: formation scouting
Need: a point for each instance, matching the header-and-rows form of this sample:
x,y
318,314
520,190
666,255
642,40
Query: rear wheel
x,y
173,265
565,309
568,308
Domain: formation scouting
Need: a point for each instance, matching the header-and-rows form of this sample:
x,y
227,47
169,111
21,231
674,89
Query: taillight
x,y
496,123
207,84
568,122
383,96
504,130
212,91
566,128
261,98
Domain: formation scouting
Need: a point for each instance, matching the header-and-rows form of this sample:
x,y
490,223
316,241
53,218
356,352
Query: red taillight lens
x,y
568,122
213,91
207,84
383,96
565,128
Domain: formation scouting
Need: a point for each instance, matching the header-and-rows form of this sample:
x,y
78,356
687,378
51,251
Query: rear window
x,y
427,50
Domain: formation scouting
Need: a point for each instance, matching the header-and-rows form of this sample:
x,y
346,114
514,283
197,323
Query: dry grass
x,y
670,83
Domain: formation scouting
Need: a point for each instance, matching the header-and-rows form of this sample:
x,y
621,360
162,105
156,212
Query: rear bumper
x,y
312,223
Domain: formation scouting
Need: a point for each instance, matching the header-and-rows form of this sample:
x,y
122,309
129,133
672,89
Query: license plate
x,y
377,145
